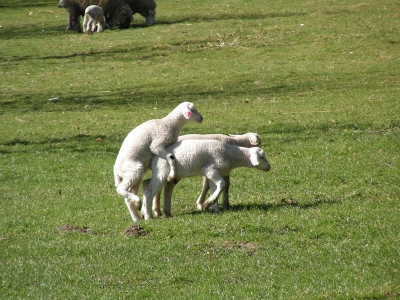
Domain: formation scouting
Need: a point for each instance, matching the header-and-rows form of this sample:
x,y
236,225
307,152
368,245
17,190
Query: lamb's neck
x,y
238,156
174,122
242,141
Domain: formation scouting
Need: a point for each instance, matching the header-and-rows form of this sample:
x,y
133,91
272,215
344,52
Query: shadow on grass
x,y
77,143
24,3
46,30
283,204
140,92
271,206
229,16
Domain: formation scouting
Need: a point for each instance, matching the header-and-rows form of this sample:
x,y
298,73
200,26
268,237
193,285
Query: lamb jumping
x,y
94,16
209,158
247,140
144,141
117,12
147,8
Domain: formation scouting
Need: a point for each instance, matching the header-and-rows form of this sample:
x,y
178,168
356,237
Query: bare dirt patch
x,y
72,228
135,230
238,245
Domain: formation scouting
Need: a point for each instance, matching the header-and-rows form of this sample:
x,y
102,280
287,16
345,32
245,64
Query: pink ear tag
x,y
187,113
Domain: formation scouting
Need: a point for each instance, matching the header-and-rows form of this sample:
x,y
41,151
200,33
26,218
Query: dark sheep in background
x,y
117,12
147,8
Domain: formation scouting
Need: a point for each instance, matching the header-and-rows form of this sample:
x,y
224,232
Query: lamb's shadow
x,y
280,205
270,206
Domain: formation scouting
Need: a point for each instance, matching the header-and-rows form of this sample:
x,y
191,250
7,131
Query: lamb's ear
x,y
254,159
187,113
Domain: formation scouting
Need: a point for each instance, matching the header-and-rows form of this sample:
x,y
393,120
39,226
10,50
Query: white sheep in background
x,y
210,158
144,141
247,140
94,16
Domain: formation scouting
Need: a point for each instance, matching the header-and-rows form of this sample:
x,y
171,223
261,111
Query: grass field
x,y
318,80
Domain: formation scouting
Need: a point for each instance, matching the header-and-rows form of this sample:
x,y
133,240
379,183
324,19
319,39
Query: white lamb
x,y
94,16
247,140
210,158
148,139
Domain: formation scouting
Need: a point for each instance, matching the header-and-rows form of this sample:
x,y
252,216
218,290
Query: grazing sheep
x,y
147,8
117,12
148,139
247,140
94,16
210,158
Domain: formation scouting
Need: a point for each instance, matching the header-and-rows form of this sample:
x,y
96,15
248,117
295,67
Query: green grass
x,y
322,224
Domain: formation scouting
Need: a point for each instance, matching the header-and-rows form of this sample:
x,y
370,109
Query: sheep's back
x,y
150,134
193,155
141,6
107,5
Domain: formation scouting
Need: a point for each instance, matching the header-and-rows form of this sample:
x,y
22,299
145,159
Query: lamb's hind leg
x,y
225,199
151,187
156,205
168,190
128,188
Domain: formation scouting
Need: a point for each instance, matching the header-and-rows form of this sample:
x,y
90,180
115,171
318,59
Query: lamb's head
x,y
61,4
258,159
190,112
252,139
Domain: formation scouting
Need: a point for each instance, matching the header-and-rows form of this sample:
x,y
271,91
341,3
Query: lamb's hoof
x,y
199,206
138,205
157,213
205,206
147,217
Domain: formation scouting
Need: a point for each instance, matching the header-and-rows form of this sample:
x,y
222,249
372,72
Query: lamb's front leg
x,y
203,194
217,185
147,198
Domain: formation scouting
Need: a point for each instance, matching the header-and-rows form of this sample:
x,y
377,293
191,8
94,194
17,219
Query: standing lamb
x,y
147,8
209,158
247,140
144,141
117,12
94,16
